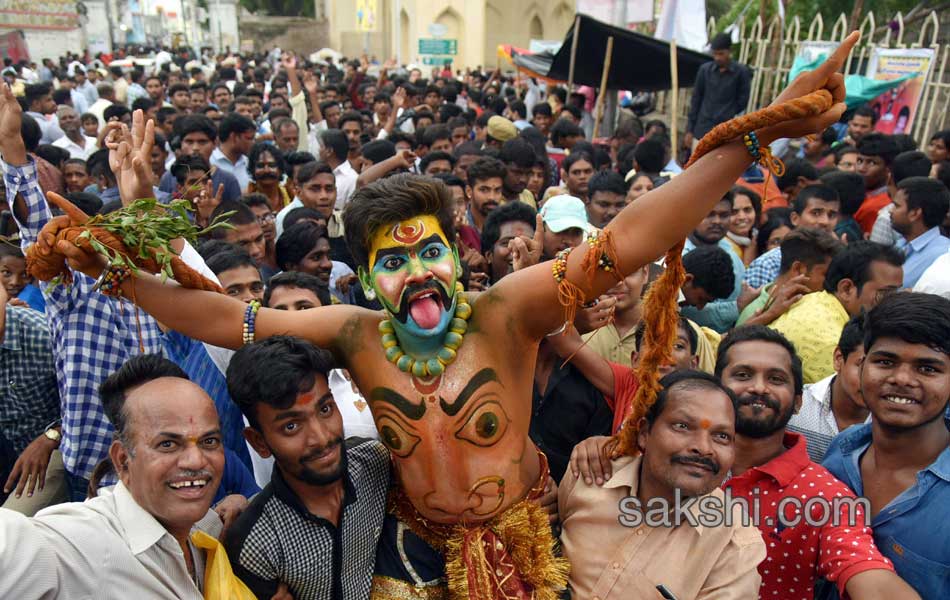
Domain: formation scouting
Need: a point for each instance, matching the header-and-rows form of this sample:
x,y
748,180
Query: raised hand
x,y
206,203
525,251
310,83
11,143
826,76
399,99
130,157
406,158
288,61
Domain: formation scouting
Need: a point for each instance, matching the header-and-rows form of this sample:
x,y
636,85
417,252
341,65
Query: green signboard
x,y
433,46
436,60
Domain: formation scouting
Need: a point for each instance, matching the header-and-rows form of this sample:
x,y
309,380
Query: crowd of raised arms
x,y
408,385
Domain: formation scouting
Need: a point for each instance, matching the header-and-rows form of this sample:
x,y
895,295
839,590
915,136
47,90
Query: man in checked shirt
x,y
91,334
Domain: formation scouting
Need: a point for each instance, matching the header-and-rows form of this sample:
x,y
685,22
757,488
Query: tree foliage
x,y
728,12
283,8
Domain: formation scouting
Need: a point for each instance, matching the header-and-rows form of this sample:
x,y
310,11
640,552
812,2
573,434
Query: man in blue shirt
x,y
900,461
816,206
919,207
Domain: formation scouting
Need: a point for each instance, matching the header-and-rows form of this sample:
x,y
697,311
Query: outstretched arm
x,y
594,368
647,228
207,316
187,311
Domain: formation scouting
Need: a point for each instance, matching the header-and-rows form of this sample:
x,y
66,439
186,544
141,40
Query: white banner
x,y
685,22
619,13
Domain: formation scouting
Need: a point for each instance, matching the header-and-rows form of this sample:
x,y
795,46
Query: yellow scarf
x,y
220,581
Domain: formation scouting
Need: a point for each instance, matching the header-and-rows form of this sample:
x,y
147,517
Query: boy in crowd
x,y
815,206
905,383
805,255
833,404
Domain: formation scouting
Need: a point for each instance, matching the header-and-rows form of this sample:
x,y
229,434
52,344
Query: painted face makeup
x,y
413,270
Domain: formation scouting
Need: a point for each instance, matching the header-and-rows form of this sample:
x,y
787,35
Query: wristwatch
x,y
53,434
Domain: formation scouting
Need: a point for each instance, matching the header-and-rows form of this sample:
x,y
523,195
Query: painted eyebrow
x,y
400,402
478,380
399,250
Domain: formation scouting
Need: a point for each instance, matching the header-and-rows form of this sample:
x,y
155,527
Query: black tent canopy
x,y
640,62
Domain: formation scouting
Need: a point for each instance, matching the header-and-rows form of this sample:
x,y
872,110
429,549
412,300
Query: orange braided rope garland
x,y
48,267
660,307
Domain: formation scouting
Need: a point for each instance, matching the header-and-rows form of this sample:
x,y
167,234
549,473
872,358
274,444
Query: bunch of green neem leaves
x,y
147,227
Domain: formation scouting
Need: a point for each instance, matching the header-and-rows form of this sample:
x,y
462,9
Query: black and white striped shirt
x,y
276,539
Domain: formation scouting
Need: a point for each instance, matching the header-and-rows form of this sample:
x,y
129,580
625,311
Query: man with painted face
x,y
448,374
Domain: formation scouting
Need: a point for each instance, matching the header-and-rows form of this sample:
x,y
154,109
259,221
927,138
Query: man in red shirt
x,y
817,535
876,152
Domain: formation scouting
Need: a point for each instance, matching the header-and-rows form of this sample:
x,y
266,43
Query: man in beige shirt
x,y
146,538
661,519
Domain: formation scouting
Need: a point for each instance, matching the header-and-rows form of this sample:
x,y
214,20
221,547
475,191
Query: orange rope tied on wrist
x,y
52,265
601,254
660,307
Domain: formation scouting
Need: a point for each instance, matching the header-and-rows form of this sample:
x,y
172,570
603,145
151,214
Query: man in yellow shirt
x,y
858,278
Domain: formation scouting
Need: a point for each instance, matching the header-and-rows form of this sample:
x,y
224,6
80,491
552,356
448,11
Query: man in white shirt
x,y
936,279
75,142
145,538
106,99
333,151
833,404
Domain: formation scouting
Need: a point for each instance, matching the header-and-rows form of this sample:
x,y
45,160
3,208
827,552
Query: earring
x,y
370,294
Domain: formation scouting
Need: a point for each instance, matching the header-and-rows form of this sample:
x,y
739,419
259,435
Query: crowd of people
x,y
811,361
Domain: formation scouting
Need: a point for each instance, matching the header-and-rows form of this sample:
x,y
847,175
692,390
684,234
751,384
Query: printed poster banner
x,y
366,13
897,108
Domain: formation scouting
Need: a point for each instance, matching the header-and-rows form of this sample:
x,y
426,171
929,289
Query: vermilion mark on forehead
x,y
406,233
306,398
705,424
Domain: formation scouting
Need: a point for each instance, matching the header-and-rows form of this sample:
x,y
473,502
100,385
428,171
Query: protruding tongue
x,y
425,312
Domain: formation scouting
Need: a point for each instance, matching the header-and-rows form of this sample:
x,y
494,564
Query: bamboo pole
x,y
674,99
570,70
608,55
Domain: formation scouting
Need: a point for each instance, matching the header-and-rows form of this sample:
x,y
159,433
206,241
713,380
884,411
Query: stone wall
x,y
289,33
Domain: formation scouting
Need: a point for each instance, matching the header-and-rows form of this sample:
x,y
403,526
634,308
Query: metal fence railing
x,y
769,49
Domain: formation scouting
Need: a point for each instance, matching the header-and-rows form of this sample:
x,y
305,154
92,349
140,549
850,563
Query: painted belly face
x,y
457,448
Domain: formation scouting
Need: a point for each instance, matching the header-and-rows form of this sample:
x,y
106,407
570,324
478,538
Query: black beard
x,y
761,428
403,315
709,241
311,477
